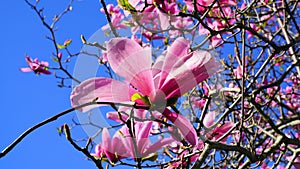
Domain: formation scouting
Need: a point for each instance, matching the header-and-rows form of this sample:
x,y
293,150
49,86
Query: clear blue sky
x,y
27,99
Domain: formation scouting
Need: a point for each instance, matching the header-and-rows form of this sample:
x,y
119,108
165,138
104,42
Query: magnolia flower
x,y
122,144
36,66
113,149
156,86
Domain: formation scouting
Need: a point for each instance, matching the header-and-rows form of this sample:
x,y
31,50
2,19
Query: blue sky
x,y
27,99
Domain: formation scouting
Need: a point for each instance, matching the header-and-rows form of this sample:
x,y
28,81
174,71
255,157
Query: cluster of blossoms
x,y
258,122
155,86
116,17
167,16
165,20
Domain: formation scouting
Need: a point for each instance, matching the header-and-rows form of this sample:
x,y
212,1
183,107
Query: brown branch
x,y
53,39
55,117
83,150
108,19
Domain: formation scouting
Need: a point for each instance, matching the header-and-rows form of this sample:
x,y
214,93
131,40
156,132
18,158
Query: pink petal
x,y
26,69
185,127
140,113
105,139
188,71
163,19
134,3
36,60
98,149
34,66
157,145
102,89
127,140
219,131
177,50
46,64
115,116
202,30
128,59
142,130
106,145
224,127
159,62
209,119
28,59
119,146
157,68
238,72
216,40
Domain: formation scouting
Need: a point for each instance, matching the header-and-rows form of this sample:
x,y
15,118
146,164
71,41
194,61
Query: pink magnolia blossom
x,y
113,149
157,86
36,66
122,144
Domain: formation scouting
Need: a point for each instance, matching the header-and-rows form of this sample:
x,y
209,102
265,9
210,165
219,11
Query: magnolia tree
x,y
183,84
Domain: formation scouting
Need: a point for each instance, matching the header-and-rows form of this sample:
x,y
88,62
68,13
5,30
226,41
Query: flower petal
x,y
127,140
157,67
142,130
219,131
115,116
222,129
185,127
209,119
188,71
157,145
98,151
26,69
106,145
101,89
129,60
163,19
178,49
119,147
